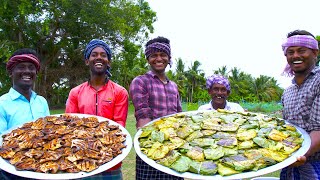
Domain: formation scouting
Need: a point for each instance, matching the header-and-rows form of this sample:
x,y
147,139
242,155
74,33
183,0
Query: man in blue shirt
x,y
21,104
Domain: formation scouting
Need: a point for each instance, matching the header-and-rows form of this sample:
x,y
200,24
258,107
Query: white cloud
x,y
237,33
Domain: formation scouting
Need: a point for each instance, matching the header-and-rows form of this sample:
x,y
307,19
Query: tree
x,y
59,30
196,81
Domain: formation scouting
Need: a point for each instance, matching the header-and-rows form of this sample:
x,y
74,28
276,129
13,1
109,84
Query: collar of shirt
x,y
16,95
100,89
227,105
314,71
154,75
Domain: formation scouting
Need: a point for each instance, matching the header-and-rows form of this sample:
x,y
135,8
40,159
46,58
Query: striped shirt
x,y
301,105
152,98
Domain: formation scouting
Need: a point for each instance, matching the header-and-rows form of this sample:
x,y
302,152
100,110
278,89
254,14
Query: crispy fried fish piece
x,y
65,164
17,157
87,165
7,153
50,156
92,154
76,122
39,123
79,155
51,118
53,144
95,144
79,144
27,164
34,153
50,166
14,133
91,122
11,143
63,129
82,134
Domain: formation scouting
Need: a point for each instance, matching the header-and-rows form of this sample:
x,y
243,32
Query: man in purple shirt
x,y
153,96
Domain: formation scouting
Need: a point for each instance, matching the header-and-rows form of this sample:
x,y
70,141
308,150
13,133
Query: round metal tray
x,y
6,166
293,158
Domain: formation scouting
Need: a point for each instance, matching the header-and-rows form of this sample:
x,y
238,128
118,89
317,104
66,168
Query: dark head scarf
x,y
97,43
14,60
158,47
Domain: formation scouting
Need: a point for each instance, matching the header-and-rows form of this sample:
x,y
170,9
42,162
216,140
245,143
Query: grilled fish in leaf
x,y
229,118
263,142
264,132
197,118
194,135
213,153
245,135
182,164
145,143
184,131
249,126
157,136
170,122
277,135
246,144
238,162
231,127
168,133
226,171
195,167
208,168
223,135
240,120
203,142
230,151
207,132
266,124
211,124
175,142
276,155
291,133
228,142
171,157
196,153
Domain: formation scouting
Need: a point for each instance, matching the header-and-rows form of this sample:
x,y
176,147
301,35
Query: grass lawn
x,y
129,163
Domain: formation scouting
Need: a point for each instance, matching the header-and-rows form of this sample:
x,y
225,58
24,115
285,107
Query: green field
x,y
128,164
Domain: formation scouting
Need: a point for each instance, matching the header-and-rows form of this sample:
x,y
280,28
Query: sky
x,y
246,34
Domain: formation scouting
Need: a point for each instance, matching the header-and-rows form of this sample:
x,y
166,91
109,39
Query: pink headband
x,y
297,40
300,40
14,60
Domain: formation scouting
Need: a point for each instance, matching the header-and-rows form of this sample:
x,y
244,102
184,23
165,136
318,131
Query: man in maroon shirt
x,y
153,96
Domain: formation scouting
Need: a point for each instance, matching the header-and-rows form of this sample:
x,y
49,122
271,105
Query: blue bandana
x,y
97,43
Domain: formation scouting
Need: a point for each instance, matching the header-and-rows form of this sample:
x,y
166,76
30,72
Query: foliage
x,y
262,107
59,30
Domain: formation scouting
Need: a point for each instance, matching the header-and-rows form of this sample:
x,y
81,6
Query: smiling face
x,y
98,61
23,75
219,95
158,61
301,59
